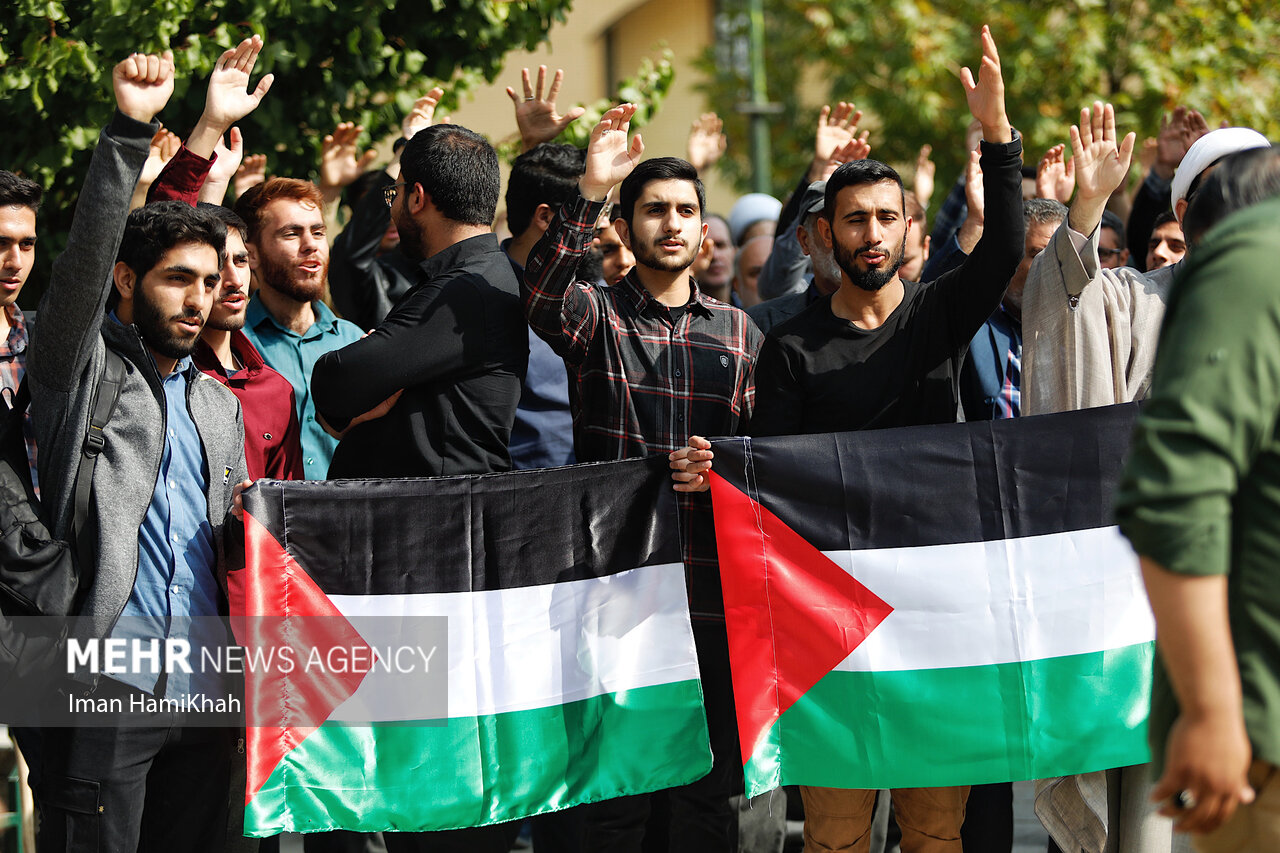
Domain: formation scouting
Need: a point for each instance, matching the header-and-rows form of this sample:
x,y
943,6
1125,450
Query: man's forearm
x,y
551,266
71,310
1194,637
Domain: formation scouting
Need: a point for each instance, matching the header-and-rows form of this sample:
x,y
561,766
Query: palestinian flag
x,y
933,606
486,648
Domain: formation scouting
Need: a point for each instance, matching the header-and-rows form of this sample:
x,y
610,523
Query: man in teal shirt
x,y
1200,501
285,320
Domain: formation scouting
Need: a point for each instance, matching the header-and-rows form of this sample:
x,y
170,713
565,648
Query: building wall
x,y
600,43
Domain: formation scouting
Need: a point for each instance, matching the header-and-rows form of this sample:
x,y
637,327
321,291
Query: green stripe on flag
x,y
477,771
963,725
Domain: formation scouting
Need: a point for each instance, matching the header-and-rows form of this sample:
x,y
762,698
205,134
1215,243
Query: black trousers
x,y
700,819
158,788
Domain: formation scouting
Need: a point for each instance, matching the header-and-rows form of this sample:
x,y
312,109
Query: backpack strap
x,y
95,438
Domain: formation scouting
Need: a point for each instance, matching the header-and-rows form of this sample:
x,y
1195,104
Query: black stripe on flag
x,y
938,485
461,534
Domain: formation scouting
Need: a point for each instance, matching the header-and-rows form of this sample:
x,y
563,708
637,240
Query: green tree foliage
x,y
361,60
899,62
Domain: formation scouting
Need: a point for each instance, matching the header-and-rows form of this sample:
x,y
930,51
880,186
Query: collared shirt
x,y
175,594
272,445
13,366
294,356
1008,401
643,380
457,345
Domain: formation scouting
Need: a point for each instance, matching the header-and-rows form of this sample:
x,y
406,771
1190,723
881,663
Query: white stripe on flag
x,y
983,603
530,647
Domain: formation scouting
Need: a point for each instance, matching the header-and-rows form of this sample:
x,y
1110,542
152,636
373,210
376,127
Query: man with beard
x,y
285,320
171,458
432,391
652,360
271,434
883,352
891,351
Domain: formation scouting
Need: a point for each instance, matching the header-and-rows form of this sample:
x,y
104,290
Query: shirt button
x,y
310,419
172,484
680,417
171,432
176,538
310,461
677,371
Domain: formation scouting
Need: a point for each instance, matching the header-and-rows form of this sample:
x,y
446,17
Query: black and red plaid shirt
x,y
641,381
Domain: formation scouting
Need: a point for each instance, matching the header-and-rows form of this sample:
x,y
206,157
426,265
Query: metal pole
x,y
761,161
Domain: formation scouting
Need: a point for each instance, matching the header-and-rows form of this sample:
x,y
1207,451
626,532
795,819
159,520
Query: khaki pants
x,y
1254,828
839,821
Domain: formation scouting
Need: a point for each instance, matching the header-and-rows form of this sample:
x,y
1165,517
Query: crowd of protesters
x,y
618,317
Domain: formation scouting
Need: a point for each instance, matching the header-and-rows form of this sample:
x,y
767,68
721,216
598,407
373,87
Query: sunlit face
x,y
1110,253
171,301
291,255
17,250
616,259
227,313
666,228
1166,246
868,233
1038,236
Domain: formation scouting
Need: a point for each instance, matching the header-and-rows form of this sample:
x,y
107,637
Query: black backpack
x,y
41,576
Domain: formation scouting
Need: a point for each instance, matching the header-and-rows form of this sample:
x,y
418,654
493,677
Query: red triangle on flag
x,y
276,606
792,615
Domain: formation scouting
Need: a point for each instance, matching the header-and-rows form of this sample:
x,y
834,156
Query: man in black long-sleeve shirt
x,y
455,344
883,352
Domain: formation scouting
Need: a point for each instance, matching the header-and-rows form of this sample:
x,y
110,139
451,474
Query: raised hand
x,y
707,142
610,158
1101,165
230,154
1175,137
835,128
339,165
922,186
854,149
986,94
252,171
422,114
143,84
164,145
1055,175
975,198
225,165
536,116
228,99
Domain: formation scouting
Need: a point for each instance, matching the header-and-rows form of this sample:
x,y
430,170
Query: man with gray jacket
x,y
162,485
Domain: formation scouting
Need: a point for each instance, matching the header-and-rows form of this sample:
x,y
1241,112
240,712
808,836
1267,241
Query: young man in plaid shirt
x,y
652,360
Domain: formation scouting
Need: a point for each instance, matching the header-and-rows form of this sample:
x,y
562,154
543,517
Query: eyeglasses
x,y
389,193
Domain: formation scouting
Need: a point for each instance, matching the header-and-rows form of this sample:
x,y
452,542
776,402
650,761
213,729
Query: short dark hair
x,y
657,169
458,168
856,173
229,218
1242,179
1116,224
547,174
1164,219
156,228
17,191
